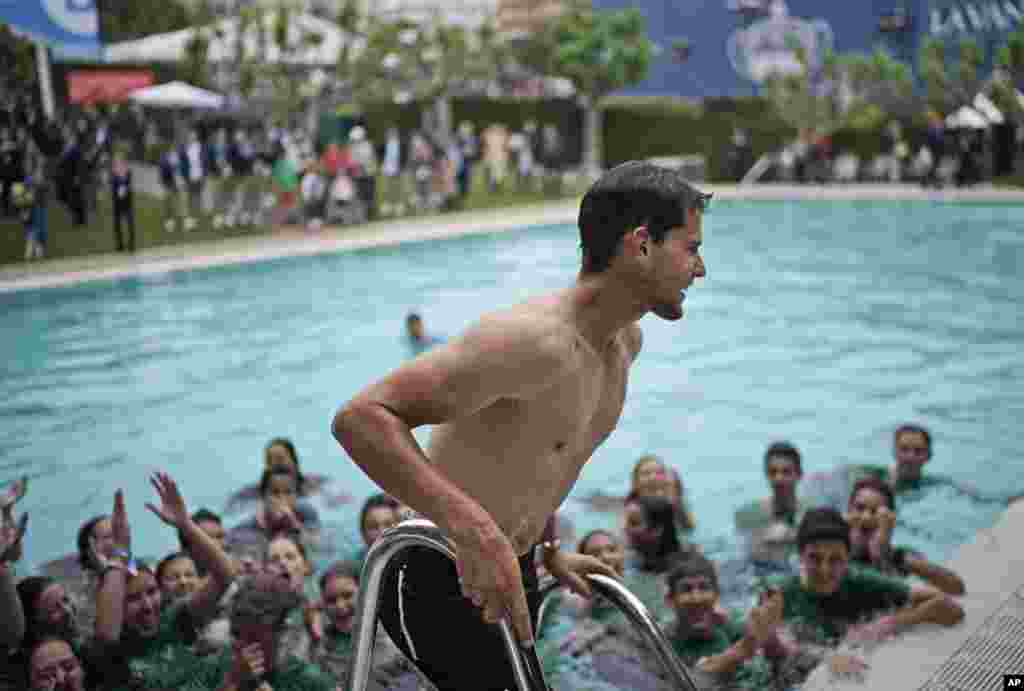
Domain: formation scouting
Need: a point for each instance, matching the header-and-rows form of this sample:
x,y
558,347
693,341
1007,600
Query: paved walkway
x,y
291,241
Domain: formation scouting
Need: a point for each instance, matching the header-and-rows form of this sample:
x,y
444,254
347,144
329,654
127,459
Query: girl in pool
x,y
280,512
280,453
650,477
871,513
608,548
651,533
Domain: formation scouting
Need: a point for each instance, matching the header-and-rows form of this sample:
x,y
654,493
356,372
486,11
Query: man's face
x,y
416,329
674,264
823,565
284,555
103,534
179,578
142,604
694,601
54,667
912,452
340,602
783,475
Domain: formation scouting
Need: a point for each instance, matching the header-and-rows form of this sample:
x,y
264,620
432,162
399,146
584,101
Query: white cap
x,y
357,134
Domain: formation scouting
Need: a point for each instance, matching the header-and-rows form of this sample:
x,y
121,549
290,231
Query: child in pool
x,y
871,514
280,453
280,512
650,477
652,533
768,525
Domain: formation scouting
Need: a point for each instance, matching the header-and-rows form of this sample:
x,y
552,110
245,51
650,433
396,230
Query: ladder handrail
x,y
408,533
638,615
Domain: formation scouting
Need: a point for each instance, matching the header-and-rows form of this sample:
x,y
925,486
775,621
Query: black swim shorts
x,y
423,610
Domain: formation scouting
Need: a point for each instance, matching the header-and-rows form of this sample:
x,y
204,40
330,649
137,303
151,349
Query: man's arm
x,y
939,576
502,357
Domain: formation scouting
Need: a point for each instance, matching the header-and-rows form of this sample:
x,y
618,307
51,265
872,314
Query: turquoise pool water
x,y
822,323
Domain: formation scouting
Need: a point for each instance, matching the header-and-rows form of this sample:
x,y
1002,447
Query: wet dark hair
x,y
340,569
872,482
659,512
911,428
376,501
83,541
585,542
300,481
269,475
822,524
695,564
29,649
167,561
412,317
784,450
295,540
30,589
632,194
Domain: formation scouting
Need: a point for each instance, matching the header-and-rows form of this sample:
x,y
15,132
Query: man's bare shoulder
x,y
527,330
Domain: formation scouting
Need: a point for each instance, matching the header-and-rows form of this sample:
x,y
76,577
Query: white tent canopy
x,y
967,118
223,42
986,107
177,95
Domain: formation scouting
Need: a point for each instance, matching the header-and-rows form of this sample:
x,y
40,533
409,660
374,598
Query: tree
x,y
17,67
1009,75
599,51
403,61
950,85
809,99
125,21
879,88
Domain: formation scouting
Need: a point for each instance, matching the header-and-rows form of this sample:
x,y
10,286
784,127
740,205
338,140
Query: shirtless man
x,y
523,398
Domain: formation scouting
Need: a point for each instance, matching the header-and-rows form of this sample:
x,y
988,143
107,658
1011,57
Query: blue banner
x,y
70,27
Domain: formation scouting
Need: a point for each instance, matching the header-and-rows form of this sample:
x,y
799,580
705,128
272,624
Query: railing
x,y
528,676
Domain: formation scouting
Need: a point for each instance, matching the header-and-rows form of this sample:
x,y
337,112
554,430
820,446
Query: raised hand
x,y
571,569
172,509
845,666
14,493
10,539
119,528
490,577
764,619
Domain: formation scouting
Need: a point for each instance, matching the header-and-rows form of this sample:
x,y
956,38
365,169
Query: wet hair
x,y
786,451
376,501
822,524
412,317
911,428
84,542
659,512
629,195
29,649
685,518
585,542
872,482
693,565
300,481
30,589
263,597
340,569
269,475
165,563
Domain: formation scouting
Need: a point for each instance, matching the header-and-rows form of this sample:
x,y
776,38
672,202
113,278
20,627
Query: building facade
x,y
726,47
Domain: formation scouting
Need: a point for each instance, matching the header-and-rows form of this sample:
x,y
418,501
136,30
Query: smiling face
x,y
823,565
54,667
179,578
650,477
142,605
672,265
783,475
694,600
340,602
608,550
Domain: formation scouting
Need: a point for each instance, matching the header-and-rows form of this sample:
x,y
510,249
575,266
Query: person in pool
x,y
652,534
650,477
520,401
280,512
872,517
416,335
280,453
768,526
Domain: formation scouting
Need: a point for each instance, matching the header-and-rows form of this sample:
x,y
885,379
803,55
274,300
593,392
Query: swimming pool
x,y
825,323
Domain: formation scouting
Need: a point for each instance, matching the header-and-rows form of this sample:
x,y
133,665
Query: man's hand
x,y
571,569
282,517
845,666
249,665
490,577
172,509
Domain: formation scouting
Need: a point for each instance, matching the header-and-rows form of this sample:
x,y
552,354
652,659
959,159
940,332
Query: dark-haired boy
x,y
769,525
724,649
832,598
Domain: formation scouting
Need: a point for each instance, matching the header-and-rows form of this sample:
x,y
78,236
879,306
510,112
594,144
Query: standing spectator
x,y
469,148
124,207
313,190
11,169
70,173
32,198
392,170
552,153
193,171
936,138
496,155
422,157
169,174
365,158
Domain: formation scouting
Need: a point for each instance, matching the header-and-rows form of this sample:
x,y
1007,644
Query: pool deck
x,y
974,655
294,241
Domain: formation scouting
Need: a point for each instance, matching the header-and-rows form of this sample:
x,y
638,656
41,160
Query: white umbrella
x,y
986,107
967,118
177,95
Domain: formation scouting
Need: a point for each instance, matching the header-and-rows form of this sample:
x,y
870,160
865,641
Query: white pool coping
x,y
293,241
992,567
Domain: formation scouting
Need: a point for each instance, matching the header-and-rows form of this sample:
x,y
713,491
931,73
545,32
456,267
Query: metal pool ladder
x,y
528,676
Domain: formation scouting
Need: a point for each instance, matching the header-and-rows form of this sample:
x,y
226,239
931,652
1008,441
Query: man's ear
x,y
637,241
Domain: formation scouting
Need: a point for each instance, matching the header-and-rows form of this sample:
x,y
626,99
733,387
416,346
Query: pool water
x,y
823,323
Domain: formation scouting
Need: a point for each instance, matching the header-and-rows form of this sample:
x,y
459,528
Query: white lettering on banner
x,y
974,17
74,16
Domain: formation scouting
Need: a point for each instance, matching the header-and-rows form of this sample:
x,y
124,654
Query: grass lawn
x,y
98,235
